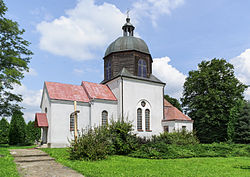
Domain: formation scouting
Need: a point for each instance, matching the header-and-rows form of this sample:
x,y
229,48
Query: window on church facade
x,y
108,70
142,68
72,122
139,119
104,117
147,119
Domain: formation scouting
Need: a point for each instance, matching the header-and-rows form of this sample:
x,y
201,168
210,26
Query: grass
x,y
7,165
128,166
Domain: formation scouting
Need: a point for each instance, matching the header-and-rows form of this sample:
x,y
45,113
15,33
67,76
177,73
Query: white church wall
x,y
115,87
179,125
134,91
60,122
176,125
98,106
45,103
170,124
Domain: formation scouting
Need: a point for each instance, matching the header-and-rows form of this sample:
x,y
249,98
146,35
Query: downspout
x,y
122,97
163,103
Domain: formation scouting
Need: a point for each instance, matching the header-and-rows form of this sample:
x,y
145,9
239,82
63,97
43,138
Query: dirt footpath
x,y
36,163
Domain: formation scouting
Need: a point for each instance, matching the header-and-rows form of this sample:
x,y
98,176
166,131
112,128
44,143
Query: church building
x,y
129,90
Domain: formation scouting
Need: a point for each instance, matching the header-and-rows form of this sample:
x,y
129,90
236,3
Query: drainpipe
x,y
122,97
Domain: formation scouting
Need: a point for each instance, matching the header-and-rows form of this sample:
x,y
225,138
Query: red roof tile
x,y
98,91
166,103
172,113
66,92
41,120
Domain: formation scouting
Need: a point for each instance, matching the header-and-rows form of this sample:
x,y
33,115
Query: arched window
x,y
142,68
104,117
108,70
147,119
139,119
46,110
72,122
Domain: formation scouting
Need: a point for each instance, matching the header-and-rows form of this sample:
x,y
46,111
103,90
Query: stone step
x,y
32,155
33,159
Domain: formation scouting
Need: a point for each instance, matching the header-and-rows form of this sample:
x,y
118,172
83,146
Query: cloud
x,y
173,78
242,69
83,31
154,8
32,72
41,13
31,101
78,71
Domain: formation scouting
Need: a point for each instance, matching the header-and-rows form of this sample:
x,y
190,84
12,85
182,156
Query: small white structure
x,y
175,120
129,91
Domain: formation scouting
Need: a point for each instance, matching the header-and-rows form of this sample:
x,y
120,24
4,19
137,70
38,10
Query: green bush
x,y
92,144
161,150
179,138
97,143
122,139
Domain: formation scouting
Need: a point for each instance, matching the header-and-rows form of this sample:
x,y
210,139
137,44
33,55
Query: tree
x,y
14,59
242,126
210,94
4,131
17,133
33,133
173,101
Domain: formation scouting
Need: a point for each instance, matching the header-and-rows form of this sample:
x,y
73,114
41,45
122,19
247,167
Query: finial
x,y
128,10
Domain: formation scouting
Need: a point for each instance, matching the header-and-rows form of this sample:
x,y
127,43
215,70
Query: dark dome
x,y
126,43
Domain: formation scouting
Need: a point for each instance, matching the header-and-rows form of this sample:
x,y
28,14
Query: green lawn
x,y
128,166
7,165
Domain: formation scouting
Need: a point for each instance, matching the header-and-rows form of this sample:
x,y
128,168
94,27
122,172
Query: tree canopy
x,y
210,93
14,59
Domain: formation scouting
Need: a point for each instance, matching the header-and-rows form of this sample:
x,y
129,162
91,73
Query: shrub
x,y
97,143
162,150
122,139
92,144
179,138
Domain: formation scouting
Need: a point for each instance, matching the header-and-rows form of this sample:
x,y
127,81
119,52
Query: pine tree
x,y
4,131
33,133
17,133
242,126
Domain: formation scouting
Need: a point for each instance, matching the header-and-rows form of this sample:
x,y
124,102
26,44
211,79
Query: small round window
x,y
143,103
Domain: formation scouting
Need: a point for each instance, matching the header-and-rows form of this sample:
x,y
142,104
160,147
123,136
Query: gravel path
x,y
36,163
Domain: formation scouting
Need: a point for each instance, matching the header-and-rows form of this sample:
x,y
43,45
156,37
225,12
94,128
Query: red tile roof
x,y
98,91
172,113
166,103
66,92
41,120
